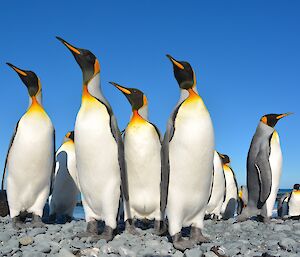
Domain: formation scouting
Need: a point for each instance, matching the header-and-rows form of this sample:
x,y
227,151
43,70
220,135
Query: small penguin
x,y
29,175
142,148
99,151
294,202
65,188
231,193
217,198
242,199
188,152
283,205
260,168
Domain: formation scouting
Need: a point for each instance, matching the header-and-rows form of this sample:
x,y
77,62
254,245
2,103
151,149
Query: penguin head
x,y
183,73
70,135
272,119
225,158
30,80
136,97
87,61
296,186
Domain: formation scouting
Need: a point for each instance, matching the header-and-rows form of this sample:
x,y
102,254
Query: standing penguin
x,y
216,200
283,205
259,168
29,175
188,152
99,150
142,148
294,202
231,193
65,188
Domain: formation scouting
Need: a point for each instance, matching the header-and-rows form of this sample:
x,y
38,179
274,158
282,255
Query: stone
x,y
36,231
195,252
26,240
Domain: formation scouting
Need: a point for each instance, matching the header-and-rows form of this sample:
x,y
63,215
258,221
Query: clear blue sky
x,y
246,55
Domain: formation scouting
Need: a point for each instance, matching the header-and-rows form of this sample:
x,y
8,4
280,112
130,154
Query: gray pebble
x,y
76,243
4,236
36,231
196,252
26,240
43,247
65,253
287,244
281,227
209,254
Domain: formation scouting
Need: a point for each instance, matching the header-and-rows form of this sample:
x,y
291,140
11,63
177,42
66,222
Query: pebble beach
x,y
249,239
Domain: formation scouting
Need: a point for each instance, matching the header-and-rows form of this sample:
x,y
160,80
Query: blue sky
x,y
246,55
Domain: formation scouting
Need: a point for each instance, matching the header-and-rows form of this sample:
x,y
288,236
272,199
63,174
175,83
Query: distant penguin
x,y
217,196
30,158
142,147
65,190
283,205
294,202
99,151
231,194
260,168
188,152
242,199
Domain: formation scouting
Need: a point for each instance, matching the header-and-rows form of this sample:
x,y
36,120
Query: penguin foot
x,y
86,234
91,230
130,228
52,218
36,222
241,218
197,236
69,218
182,244
108,234
160,228
17,223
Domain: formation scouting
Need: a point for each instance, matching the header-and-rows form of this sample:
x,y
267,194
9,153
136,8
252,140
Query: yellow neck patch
x,y
297,192
226,168
87,99
193,98
136,119
35,107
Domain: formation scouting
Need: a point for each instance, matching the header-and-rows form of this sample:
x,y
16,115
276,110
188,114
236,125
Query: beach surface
x,y
250,238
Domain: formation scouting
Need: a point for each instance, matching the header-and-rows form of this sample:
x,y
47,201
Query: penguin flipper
x,y
165,165
263,168
6,159
53,167
121,157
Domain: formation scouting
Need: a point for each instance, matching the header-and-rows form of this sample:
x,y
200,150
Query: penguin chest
x,y
96,155
142,155
191,153
294,204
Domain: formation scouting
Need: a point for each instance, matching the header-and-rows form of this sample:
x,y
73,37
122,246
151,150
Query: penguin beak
x,y
18,70
283,115
74,50
125,90
176,63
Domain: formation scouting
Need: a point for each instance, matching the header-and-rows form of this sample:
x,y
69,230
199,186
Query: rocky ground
x,y
249,238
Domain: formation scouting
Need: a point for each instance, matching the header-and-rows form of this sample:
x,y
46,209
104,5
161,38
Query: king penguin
x,y
30,175
283,205
242,199
294,202
231,192
65,189
260,168
99,151
217,198
188,152
142,148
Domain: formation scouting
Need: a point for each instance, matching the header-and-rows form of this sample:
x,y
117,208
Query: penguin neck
x,y
139,116
93,87
35,101
265,129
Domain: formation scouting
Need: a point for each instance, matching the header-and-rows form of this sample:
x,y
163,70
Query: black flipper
x,y
263,168
6,159
165,165
53,167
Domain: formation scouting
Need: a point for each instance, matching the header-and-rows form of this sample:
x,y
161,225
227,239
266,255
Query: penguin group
x,y
176,180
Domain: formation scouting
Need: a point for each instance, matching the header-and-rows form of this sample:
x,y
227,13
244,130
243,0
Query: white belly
x,y
97,159
294,204
66,190
218,190
276,168
142,155
30,164
191,162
